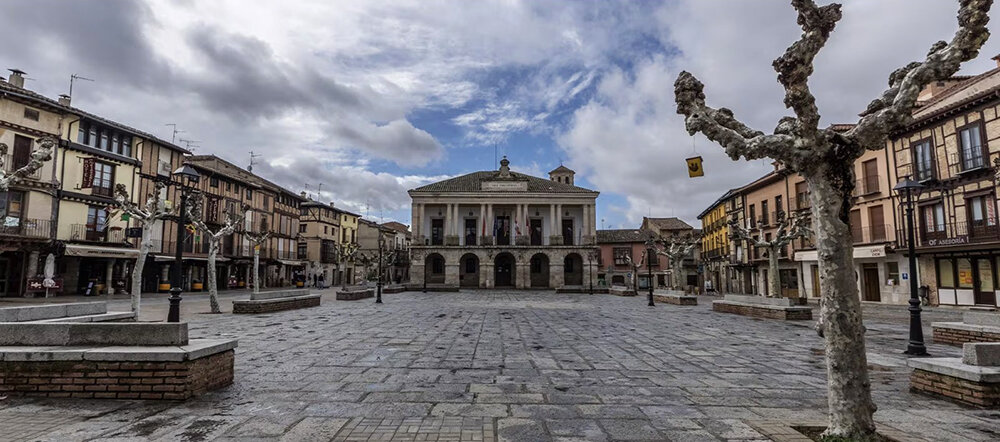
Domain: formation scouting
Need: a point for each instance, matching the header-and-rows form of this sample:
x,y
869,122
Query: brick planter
x,y
675,299
955,389
275,304
788,313
976,326
354,295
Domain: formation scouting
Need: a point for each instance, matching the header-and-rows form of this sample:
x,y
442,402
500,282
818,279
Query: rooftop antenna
x,y
319,191
73,78
253,160
173,136
306,187
602,223
189,144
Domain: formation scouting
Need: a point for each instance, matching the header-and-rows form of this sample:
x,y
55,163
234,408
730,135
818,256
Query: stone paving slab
x,y
513,365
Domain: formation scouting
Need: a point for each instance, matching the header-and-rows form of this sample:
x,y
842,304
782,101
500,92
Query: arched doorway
x,y
468,274
434,269
504,270
573,269
539,271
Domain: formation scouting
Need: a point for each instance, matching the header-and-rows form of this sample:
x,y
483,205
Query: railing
x,y
81,232
799,203
8,166
951,234
29,228
871,234
867,186
102,191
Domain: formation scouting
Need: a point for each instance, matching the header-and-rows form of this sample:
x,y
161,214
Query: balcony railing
x,y
799,203
26,227
82,232
951,234
103,191
8,166
868,185
872,234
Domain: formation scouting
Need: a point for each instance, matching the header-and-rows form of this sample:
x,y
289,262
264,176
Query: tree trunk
x,y
256,273
343,274
140,262
213,287
774,281
678,266
849,390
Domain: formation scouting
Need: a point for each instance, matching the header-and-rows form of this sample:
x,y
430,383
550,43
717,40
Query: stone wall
x,y
793,314
275,305
958,390
117,380
956,336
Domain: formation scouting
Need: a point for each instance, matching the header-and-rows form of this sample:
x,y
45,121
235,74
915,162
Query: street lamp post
x,y
908,188
183,173
590,264
378,284
649,268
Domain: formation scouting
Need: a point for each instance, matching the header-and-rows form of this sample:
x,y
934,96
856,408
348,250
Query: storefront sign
x,y
964,239
38,285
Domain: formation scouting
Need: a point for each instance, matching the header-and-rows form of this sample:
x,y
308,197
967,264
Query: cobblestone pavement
x,y
519,366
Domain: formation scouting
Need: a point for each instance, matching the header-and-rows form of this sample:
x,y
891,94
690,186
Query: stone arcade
x,y
504,229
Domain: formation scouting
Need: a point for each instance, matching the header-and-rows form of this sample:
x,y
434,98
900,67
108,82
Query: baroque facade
x,y
503,229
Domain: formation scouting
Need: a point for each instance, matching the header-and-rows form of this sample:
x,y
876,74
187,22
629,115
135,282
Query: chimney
x,y
16,78
64,100
996,58
302,194
331,204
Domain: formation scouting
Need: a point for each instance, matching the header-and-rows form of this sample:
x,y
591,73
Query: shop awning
x,y
876,251
292,263
100,251
163,258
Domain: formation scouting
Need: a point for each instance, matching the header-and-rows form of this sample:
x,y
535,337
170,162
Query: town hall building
x,y
504,229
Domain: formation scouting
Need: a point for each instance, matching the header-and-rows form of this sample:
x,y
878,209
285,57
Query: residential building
x,y
503,229
716,246
319,234
950,148
673,227
401,238
623,249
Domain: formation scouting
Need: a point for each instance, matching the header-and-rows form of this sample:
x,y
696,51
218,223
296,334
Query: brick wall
x,y
761,312
117,380
955,389
272,306
679,300
354,296
953,336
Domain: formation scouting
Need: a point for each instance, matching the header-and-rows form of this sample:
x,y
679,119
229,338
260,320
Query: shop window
x,y
964,270
892,273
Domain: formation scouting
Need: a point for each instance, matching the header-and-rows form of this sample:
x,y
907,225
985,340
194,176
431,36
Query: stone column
x,y
593,222
480,233
420,224
552,224
414,225
489,224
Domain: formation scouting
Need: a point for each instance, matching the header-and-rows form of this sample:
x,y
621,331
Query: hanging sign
x,y
126,217
694,167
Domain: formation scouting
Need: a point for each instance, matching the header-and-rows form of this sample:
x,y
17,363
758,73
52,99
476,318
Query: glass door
x,y
985,282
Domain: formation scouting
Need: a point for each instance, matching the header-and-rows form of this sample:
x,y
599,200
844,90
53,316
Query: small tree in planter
x,y
146,216
789,229
233,220
257,239
346,253
676,248
41,154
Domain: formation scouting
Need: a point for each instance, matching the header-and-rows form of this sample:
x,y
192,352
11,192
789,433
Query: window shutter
x,y
88,173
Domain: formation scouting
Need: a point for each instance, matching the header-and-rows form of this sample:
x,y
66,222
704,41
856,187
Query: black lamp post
x,y
908,189
378,285
590,264
185,175
649,268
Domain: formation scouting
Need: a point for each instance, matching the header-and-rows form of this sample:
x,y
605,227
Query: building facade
x,y
672,227
623,260
716,247
503,229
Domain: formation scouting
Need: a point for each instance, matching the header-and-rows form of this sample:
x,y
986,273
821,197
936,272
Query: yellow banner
x,y
694,167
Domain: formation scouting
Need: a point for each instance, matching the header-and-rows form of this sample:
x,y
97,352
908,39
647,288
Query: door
x,y
855,220
870,283
3,276
437,232
22,152
567,232
815,281
501,229
470,231
985,282
536,231
504,271
982,216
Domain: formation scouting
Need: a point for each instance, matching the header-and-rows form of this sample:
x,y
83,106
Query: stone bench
x,y
70,312
276,300
111,361
973,379
763,307
675,297
354,294
619,290
976,326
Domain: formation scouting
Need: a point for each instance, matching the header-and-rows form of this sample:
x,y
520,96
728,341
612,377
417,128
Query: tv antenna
x,y
173,136
253,160
319,190
189,144
73,78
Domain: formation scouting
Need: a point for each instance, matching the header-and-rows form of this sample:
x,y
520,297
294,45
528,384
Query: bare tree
x,y
789,229
39,156
145,216
233,220
346,253
825,158
676,248
257,239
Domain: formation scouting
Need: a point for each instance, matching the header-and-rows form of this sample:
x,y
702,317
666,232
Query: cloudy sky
x,y
373,98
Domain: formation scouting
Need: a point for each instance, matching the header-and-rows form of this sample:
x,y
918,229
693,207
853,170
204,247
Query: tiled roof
x,y
472,182
562,169
613,236
672,223
397,226
975,87
29,94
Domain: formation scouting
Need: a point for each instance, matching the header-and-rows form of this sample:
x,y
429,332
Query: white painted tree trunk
x,y
256,273
774,278
343,274
849,389
146,242
678,267
213,288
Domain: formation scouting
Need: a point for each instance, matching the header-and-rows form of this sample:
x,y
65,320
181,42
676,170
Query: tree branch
x,y
39,156
893,110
